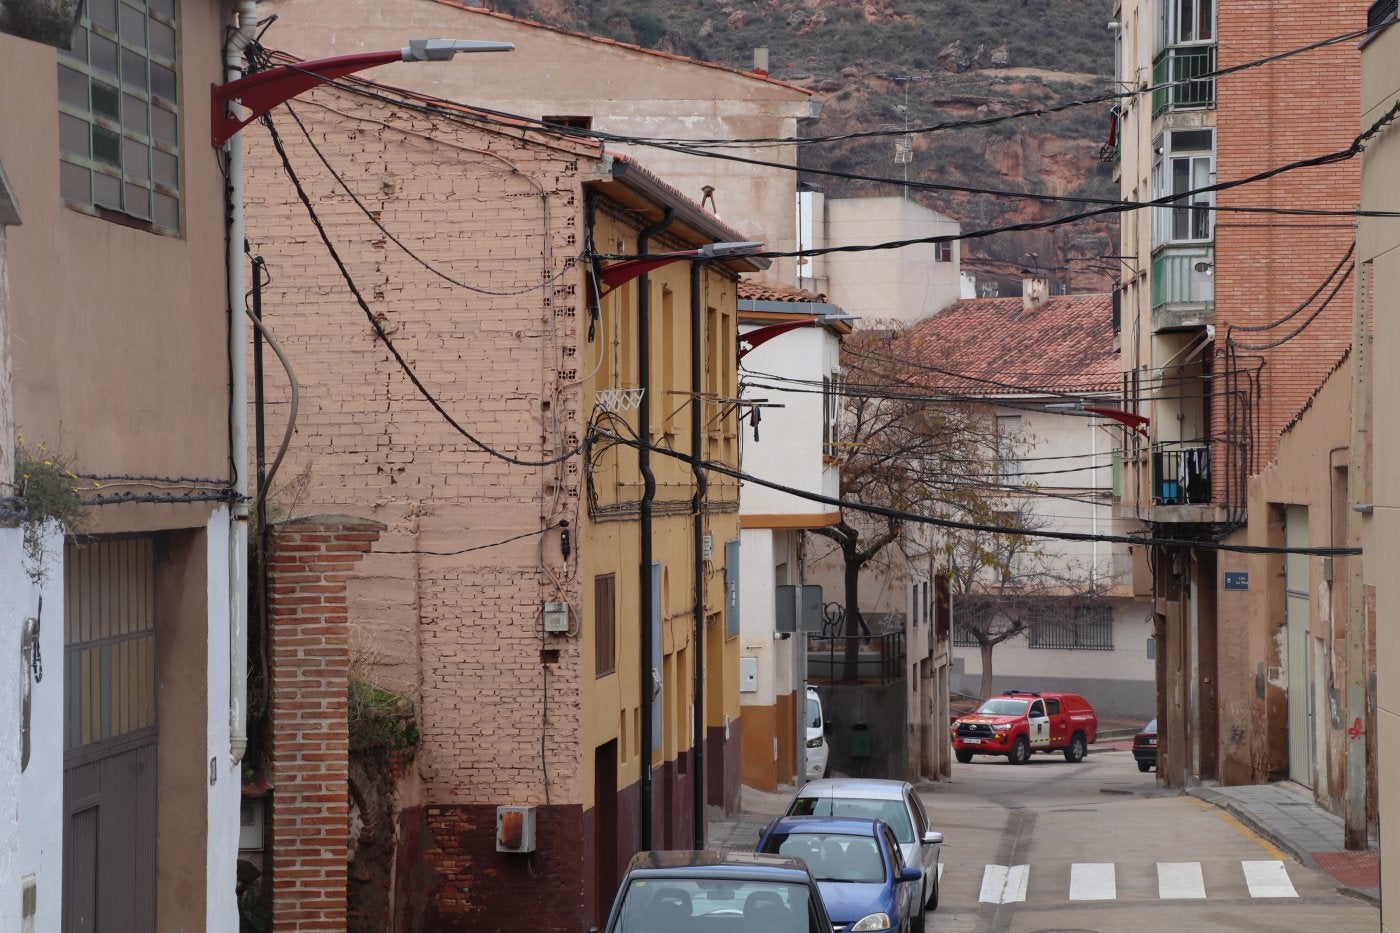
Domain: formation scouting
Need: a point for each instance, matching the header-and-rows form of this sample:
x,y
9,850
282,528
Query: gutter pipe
x,y
650,676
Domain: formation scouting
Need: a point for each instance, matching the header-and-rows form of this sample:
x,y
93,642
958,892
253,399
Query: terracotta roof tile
x,y
993,346
774,291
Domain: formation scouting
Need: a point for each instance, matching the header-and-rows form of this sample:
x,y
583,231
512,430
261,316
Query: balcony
x,y
1179,68
1183,287
1181,475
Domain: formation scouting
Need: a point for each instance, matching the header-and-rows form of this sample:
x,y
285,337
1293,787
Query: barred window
x,y
119,136
962,637
1090,628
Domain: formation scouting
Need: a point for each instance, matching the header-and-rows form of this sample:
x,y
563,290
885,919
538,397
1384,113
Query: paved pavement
x,y
1285,814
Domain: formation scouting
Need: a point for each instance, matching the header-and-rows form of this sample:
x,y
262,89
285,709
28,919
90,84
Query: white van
x,y
817,750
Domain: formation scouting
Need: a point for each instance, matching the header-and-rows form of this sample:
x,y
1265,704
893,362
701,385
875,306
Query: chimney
x,y
760,62
1034,290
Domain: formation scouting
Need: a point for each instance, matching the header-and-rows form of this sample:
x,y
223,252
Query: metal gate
x,y
109,735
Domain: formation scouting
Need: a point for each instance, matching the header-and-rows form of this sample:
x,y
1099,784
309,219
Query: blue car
x,y
859,868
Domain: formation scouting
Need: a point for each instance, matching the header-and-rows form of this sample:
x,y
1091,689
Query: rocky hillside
x,y
879,63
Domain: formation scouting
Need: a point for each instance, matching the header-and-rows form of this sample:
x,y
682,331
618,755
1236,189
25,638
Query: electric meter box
x,y
515,829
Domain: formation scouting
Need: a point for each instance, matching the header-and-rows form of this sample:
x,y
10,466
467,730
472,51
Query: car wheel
x,y
1144,766
962,756
933,898
916,923
1020,751
1077,749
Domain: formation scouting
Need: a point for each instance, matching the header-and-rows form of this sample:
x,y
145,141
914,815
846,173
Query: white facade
x,y
789,452
1067,462
904,285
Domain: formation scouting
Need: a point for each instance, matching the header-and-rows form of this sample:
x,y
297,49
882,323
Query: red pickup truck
x,y
1019,722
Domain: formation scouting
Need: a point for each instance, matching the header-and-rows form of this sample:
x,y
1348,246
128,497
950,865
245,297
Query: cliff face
x,y
888,64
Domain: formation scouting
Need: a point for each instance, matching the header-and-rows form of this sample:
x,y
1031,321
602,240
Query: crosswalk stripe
x,y
1180,880
1268,879
1092,881
1004,885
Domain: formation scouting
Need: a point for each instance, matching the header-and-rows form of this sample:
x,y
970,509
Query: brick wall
x,y
1266,266
309,562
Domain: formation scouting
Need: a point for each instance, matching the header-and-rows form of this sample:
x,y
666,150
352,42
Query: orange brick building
x,y
1235,328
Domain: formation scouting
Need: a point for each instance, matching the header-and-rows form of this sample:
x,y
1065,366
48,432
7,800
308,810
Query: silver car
x,y
892,801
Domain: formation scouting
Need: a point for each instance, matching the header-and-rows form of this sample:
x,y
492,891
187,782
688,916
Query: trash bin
x,y
860,741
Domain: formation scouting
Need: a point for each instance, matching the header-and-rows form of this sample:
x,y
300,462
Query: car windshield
x,y
1002,706
1150,727
814,713
663,905
891,811
831,856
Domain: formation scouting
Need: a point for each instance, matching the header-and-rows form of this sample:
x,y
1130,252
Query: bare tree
x,y
1004,582
899,451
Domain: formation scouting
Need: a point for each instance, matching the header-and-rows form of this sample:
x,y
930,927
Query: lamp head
x,y
716,250
441,50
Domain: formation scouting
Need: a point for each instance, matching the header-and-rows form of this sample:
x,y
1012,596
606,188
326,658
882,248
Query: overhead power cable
x,y
474,115
915,517
379,328
1330,158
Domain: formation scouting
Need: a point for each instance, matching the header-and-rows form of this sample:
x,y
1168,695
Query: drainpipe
x,y
247,13
697,736
651,677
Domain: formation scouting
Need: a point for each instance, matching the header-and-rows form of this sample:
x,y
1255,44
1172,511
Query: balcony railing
x,y
1181,476
1175,74
1176,280
847,658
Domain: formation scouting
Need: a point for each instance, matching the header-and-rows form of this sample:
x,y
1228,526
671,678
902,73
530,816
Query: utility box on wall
x,y
748,675
515,829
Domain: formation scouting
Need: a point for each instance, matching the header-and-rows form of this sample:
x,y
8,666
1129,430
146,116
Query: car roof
x,y
727,863
832,825
860,788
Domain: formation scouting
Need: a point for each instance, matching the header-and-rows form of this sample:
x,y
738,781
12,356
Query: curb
x,y
1279,841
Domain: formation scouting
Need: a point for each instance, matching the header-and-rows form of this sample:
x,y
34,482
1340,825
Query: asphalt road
x,y
1097,847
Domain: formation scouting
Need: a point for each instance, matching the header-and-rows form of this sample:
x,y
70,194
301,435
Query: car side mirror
x,y
932,838
911,873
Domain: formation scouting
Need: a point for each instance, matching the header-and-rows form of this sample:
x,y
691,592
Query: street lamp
x,y
263,90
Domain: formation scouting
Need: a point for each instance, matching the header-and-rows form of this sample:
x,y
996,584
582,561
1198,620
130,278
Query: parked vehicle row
x,y
850,856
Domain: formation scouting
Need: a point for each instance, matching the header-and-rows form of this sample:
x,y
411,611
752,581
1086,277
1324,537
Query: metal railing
x,y
1181,476
872,658
1175,74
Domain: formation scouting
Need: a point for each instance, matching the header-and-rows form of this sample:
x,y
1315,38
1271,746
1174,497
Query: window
x,y
1186,21
1008,434
604,624
1185,162
963,637
831,411
1052,706
119,136
1088,627
943,252
575,123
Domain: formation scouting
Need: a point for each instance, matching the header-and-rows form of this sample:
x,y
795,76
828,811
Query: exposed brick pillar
x,y
309,563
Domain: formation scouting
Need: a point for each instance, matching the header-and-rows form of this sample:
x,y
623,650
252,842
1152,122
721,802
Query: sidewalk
x,y
1287,815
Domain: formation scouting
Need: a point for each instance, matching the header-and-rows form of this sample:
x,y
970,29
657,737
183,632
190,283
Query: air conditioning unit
x,y
515,829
